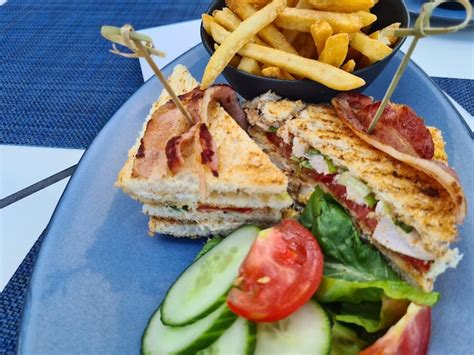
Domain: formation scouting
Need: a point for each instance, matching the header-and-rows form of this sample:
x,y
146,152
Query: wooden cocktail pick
x,y
141,46
422,28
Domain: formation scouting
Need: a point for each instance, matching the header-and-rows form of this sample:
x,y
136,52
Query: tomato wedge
x,y
279,275
410,335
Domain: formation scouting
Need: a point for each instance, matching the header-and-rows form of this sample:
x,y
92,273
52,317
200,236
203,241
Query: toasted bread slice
x,y
247,177
246,174
177,228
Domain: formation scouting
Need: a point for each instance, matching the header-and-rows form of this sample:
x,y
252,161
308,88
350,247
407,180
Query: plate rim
x,y
61,198
26,306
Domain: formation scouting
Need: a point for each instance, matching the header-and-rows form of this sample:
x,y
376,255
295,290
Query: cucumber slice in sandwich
x,y
203,286
161,339
239,339
307,331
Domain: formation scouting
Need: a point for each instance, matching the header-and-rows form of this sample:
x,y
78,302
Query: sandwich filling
x,y
314,147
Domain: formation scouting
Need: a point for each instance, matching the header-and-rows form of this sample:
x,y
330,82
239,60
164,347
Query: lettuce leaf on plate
x,y
346,256
373,316
340,290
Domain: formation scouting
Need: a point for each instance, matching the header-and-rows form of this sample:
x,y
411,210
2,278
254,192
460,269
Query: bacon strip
x,y
197,103
227,98
174,149
150,158
209,149
392,137
399,126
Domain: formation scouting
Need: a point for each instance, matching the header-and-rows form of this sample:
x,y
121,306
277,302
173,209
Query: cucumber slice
x,y
307,331
161,339
239,339
203,286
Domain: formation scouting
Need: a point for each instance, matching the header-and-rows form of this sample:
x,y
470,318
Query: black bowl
x,y
250,86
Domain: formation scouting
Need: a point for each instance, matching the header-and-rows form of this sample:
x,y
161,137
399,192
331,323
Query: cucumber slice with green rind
x,y
307,331
238,339
203,286
161,339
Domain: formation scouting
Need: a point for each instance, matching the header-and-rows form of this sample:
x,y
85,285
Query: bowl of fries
x,y
300,49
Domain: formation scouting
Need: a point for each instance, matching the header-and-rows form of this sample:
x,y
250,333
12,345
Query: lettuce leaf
x,y
345,341
358,283
373,305
346,256
340,290
373,316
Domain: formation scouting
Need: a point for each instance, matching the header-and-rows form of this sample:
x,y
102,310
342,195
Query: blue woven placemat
x,y
58,82
12,300
461,90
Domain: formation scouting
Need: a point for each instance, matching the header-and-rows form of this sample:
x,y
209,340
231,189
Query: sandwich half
x,y
202,179
404,212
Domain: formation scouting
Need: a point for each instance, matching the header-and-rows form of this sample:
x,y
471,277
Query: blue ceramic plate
x,y
98,276
443,14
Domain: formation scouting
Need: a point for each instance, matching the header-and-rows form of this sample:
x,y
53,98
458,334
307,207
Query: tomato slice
x,y
279,275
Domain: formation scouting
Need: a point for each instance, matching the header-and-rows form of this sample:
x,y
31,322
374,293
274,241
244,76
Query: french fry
x,y
206,22
235,61
325,74
320,31
385,35
250,65
291,34
270,34
277,73
283,73
366,18
335,49
349,66
231,21
342,5
227,18
237,39
302,19
261,3
258,3
376,35
373,49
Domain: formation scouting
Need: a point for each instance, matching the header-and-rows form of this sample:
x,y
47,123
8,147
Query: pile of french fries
x,y
321,40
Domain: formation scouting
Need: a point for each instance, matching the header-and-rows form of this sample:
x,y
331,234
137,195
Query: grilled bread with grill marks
x,y
414,197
